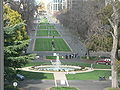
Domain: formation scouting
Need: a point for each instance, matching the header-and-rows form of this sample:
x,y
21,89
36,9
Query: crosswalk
x,y
60,79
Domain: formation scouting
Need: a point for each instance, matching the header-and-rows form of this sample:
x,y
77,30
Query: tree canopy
x,y
15,43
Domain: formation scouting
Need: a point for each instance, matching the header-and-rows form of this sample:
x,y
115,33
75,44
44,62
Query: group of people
x,y
70,56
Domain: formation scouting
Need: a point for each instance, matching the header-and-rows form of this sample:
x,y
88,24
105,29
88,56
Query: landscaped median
x,y
45,44
54,57
47,33
62,88
112,89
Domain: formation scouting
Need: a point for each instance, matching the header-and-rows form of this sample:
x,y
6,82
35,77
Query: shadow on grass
x,y
32,79
36,75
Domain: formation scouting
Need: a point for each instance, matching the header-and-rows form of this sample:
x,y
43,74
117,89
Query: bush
x,y
90,58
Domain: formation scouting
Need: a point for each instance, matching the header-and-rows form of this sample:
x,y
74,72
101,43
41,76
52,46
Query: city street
x,y
81,84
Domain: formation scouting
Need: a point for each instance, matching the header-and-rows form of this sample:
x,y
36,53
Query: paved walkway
x,y
60,79
81,84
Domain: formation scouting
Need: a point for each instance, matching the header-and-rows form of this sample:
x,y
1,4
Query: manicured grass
x,y
113,89
89,75
50,27
37,64
42,27
45,44
47,32
54,57
97,66
37,75
63,88
90,58
46,26
44,20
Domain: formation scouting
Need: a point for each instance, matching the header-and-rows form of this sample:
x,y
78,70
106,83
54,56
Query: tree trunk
x,y
114,58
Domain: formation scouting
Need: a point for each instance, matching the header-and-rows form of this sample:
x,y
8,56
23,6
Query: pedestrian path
x,y
60,79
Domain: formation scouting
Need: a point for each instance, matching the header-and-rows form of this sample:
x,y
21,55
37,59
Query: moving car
x,y
105,60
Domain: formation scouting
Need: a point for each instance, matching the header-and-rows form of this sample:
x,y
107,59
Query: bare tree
x,y
27,9
114,21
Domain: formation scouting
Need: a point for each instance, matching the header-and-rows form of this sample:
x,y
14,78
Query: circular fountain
x,y
57,67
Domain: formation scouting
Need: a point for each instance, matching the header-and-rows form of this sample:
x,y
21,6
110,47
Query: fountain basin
x,y
62,68
52,69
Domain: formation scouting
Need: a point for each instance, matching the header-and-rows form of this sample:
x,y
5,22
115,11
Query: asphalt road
x,y
81,84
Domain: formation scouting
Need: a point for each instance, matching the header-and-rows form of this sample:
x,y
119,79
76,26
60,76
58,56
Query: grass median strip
x,y
47,33
54,57
63,88
45,44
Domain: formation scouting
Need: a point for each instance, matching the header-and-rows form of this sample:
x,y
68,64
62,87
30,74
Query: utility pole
x,y
1,46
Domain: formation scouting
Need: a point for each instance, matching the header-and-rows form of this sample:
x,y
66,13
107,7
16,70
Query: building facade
x,y
57,5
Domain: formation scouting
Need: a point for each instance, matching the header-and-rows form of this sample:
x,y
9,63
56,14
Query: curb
x,y
51,87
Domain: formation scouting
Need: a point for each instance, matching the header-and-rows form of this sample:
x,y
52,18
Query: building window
x,y
59,6
54,6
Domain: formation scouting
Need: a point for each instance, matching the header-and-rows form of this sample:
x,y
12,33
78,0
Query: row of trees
x,y
98,25
27,9
15,44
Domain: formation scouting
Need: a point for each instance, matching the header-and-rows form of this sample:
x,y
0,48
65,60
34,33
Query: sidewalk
x,y
60,79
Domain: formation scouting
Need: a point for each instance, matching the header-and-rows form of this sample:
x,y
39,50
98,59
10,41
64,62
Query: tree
x,y
111,17
27,9
114,21
15,42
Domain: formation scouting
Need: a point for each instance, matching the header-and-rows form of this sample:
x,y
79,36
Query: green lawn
x,y
37,64
45,44
113,89
45,26
88,75
54,57
44,20
90,58
97,66
46,32
50,27
37,75
42,27
44,23
63,88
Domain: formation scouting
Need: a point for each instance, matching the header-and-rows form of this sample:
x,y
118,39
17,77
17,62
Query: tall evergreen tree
x,y
15,42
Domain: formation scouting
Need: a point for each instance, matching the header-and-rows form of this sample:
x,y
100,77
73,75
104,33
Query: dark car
x,y
20,77
105,60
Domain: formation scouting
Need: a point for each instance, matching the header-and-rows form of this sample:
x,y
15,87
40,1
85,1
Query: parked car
x,y
20,77
105,60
